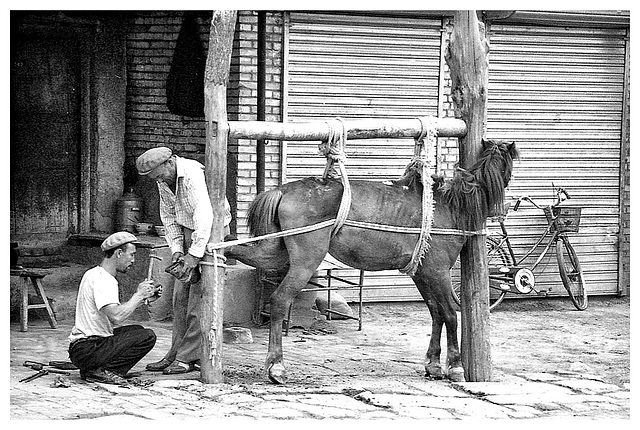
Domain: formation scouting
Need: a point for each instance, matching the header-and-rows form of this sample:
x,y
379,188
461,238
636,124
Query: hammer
x,y
153,255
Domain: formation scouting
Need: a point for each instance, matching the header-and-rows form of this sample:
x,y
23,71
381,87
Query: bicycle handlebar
x,y
559,199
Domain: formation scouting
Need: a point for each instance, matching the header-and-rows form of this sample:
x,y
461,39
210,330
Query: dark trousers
x,y
118,353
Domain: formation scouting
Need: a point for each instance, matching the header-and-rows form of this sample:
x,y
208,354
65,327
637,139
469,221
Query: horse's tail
x,y
263,213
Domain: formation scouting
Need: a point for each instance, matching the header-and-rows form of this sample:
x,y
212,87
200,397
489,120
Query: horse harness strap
x,y
413,230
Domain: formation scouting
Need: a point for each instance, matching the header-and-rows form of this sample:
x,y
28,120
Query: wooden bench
x,y
32,277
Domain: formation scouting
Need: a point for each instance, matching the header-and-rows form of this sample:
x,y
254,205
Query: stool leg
x,y
24,303
37,284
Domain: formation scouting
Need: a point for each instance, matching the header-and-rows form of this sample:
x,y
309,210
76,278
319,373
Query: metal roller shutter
x,y
558,92
356,66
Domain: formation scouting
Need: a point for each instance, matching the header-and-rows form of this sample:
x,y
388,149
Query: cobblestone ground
x,y
336,371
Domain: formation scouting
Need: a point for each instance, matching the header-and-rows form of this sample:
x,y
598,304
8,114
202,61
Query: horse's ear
x,y
513,151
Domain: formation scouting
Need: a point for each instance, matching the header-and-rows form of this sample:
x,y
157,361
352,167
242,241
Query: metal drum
x,y
129,211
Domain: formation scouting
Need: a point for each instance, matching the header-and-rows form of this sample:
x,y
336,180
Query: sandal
x,y
158,365
178,367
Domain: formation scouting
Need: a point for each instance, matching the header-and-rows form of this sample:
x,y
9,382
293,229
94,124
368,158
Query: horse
x,y
461,203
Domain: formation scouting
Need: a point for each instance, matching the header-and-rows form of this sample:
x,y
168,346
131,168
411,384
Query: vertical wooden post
x,y
467,59
217,130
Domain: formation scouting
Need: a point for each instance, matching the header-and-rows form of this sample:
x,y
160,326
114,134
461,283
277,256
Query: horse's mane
x,y
471,195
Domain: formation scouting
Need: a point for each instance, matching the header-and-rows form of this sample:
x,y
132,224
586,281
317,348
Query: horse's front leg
x,y
455,372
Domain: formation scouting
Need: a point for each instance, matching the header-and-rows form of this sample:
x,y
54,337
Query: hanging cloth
x,y
185,83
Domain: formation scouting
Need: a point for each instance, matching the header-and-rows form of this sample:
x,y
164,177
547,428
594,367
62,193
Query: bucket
x,y
129,211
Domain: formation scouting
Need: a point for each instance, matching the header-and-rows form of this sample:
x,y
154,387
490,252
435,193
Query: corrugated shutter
x,y
558,92
352,66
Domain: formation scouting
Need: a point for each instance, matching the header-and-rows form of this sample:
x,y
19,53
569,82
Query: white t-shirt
x,y
98,288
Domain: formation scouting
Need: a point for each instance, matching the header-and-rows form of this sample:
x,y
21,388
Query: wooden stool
x,y
33,277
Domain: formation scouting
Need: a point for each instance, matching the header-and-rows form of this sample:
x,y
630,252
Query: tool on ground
x,y
35,376
40,366
63,365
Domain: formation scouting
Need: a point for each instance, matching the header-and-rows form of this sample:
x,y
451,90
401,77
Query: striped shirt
x,y
189,207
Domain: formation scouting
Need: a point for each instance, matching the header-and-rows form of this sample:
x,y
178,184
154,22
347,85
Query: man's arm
x,y
118,313
196,193
173,235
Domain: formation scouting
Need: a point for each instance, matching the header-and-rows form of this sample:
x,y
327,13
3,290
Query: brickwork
x,y
244,80
448,146
151,41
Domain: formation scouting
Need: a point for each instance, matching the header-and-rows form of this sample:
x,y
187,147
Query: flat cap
x,y
151,159
117,239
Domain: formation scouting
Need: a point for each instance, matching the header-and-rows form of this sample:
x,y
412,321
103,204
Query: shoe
x,y
158,365
103,376
178,367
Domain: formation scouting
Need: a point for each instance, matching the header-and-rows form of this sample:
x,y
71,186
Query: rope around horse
x,y
350,223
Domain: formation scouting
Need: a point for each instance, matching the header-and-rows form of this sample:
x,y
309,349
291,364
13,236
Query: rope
x,y
428,206
333,149
350,223
218,262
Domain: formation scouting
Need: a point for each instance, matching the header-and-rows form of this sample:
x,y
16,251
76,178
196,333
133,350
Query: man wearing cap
x,y
186,213
100,346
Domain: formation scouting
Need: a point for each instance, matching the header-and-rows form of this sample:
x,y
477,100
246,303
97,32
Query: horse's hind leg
x,y
436,291
305,255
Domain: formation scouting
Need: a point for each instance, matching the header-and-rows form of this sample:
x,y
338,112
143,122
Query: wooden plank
x,y
357,129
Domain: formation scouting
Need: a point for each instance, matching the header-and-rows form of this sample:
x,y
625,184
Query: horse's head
x,y
473,194
496,159
493,169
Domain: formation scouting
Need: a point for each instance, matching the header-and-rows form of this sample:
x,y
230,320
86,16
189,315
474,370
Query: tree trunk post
x,y
468,61
217,130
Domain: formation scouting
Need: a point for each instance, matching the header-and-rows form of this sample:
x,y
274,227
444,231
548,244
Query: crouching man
x,y
101,347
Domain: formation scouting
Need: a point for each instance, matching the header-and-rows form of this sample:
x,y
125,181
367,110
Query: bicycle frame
x,y
552,240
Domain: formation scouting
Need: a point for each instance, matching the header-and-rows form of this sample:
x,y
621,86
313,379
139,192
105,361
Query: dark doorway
x,y
45,135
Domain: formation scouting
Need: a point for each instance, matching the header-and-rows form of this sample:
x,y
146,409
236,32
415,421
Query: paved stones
x,y
330,377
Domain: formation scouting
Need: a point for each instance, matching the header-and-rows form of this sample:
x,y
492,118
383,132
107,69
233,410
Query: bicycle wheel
x,y
571,273
497,256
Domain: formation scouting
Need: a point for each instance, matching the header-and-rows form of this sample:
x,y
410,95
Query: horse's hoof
x,y
434,372
456,374
277,374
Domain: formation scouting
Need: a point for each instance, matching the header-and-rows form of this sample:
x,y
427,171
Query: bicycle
x,y
506,272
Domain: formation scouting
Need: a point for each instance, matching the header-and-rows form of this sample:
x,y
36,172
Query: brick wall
x,y
448,146
244,74
151,40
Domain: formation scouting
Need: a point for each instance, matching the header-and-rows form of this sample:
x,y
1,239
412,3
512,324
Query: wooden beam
x,y
215,108
356,129
468,62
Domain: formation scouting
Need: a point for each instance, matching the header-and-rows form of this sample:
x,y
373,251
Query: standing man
x,y
186,212
101,352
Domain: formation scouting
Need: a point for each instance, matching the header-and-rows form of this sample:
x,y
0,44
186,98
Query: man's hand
x,y
146,289
177,256
190,262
